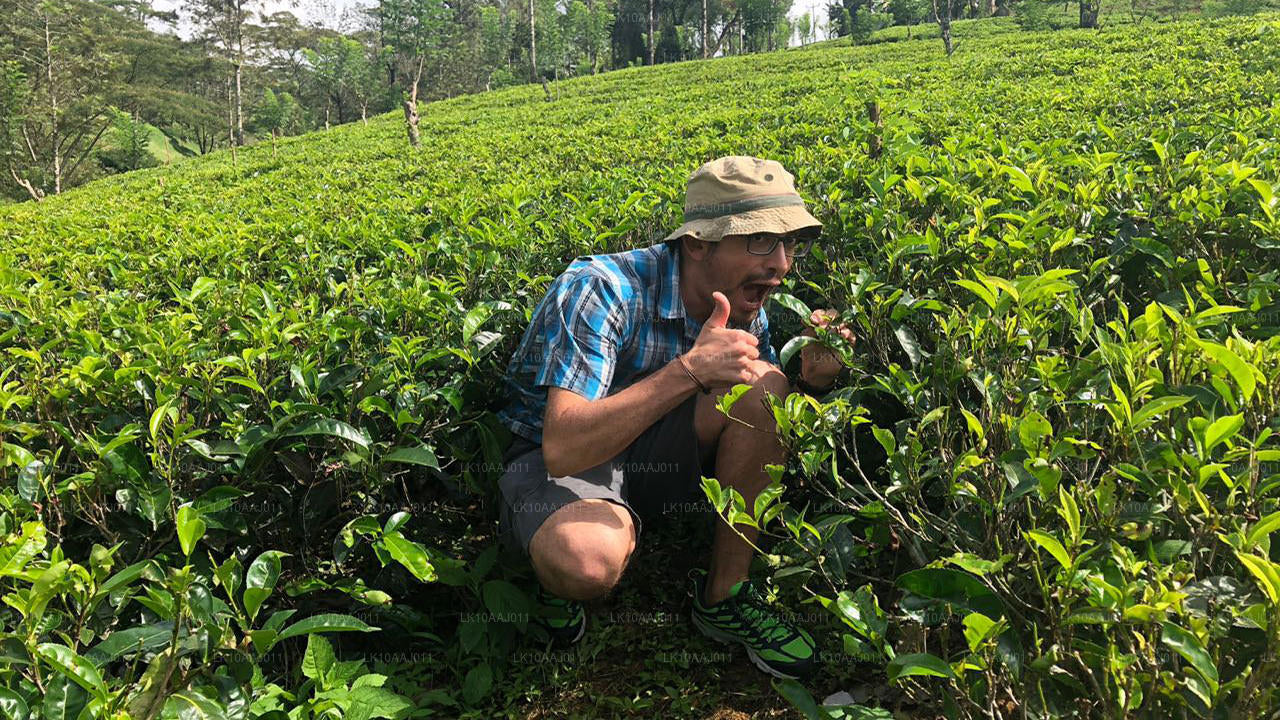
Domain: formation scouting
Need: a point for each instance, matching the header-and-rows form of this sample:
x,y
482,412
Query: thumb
x,y
720,313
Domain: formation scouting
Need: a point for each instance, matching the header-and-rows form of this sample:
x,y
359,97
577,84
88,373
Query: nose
x,y
779,261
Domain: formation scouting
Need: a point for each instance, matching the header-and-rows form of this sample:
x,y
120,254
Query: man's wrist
x,y
808,389
684,365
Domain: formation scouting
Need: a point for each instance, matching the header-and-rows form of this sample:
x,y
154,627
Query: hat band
x,y
708,212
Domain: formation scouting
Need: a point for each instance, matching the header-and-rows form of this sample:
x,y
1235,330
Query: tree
x,y
345,73
804,25
63,68
943,18
533,41
910,12
760,22
413,33
651,36
841,15
496,40
224,23
584,33
128,144
1089,13
13,102
275,115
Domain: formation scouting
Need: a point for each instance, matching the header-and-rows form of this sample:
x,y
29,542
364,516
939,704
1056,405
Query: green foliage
x,y
1051,478
1038,15
1238,7
128,148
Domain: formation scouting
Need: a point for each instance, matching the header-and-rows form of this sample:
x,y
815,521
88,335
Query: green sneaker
x,y
564,621
773,643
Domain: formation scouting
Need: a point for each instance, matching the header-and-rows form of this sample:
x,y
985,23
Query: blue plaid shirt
x,y
607,322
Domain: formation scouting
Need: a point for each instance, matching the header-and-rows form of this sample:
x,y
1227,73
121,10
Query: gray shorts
x,y
660,471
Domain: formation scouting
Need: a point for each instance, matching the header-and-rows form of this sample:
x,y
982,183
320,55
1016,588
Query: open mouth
x,y
755,293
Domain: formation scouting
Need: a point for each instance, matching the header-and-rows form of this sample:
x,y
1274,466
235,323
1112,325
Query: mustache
x,y
764,279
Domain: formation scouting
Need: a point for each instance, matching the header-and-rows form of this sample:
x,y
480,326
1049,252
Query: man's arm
x,y
578,433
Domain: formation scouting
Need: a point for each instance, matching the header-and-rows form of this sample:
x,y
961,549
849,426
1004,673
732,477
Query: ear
x,y
697,249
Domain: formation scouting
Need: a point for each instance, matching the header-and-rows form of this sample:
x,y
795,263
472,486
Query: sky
x,y
341,14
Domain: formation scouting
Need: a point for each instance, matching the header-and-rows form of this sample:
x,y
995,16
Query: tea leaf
x,y
412,555
1189,647
1241,372
260,580
1148,413
422,455
333,428
1221,430
918,664
326,622
191,527
1053,545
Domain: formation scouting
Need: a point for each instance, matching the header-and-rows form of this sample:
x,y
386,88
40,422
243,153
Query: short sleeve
x,y
583,323
760,328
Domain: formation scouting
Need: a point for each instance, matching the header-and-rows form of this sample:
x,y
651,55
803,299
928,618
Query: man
x,y
613,403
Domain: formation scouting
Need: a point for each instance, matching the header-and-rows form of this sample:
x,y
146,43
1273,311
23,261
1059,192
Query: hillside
x,y
1061,269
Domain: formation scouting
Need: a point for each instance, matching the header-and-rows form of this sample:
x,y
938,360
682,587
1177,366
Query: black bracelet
x,y
705,390
808,389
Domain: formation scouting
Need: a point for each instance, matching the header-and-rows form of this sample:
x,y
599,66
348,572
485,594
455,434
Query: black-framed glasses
x,y
766,243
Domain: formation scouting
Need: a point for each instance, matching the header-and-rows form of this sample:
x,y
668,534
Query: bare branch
x,y
33,192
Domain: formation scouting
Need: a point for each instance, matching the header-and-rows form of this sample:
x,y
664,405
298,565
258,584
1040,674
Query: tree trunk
x,y
533,44
411,107
53,109
591,35
724,33
704,29
944,23
874,142
239,107
238,9
231,115
411,117
1089,13
652,37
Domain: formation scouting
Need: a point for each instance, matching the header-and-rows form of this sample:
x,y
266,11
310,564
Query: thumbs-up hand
x,y
722,357
720,313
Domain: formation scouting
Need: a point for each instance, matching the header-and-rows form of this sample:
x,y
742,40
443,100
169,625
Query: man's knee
x,y
754,406
581,551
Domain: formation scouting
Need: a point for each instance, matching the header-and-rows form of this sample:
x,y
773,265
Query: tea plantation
x,y
248,445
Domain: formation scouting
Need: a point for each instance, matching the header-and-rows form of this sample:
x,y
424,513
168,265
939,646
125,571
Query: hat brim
x,y
776,220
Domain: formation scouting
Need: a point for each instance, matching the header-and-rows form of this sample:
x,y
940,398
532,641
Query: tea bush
x,y
238,391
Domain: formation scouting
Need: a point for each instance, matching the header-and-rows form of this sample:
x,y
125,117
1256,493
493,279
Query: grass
x,y
163,148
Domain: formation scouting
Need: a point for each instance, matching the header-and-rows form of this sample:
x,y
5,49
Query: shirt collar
x,y
670,305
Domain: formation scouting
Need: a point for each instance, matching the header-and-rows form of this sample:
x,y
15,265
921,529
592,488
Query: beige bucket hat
x,y
741,195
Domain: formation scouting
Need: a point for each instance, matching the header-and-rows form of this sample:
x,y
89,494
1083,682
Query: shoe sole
x,y
582,630
725,638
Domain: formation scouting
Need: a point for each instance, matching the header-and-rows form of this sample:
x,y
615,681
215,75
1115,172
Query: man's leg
x,y
741,454
580,551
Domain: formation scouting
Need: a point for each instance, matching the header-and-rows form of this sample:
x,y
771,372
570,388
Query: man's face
x,y
744,278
